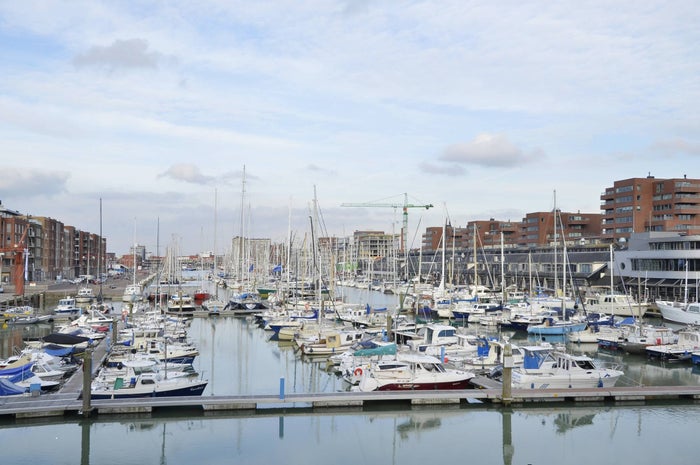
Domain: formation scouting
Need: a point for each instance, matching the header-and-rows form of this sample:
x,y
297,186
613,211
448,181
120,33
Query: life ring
x,y
358,371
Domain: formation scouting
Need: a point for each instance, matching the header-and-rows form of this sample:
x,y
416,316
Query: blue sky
x,y
481,108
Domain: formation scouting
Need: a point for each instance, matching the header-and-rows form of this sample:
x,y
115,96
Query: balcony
x,y
686,208
682,186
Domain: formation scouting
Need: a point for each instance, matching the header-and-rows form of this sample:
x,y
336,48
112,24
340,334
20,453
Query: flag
x,y
251,268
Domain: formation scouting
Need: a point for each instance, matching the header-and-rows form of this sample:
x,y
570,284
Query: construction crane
x,y
405,206
19,254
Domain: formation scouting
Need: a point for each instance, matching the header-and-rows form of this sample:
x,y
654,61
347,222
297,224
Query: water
x,y
562,434
237,358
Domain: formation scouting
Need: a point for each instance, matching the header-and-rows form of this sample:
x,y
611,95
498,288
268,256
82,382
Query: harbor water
x,y
237,358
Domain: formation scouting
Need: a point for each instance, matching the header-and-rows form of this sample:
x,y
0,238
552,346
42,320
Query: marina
x,y
266,401
304,383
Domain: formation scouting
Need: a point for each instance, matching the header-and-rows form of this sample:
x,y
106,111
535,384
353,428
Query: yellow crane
x,y
405,206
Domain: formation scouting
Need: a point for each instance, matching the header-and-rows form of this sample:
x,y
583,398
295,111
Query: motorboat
x,y
679,312
181,303
329,343
94,319
640,337
146,384
410,371
132,293
213,306
67,307
546,368
688,342
554,326
84,295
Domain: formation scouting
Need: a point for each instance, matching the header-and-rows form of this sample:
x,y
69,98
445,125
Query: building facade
x,y
41,248
650,204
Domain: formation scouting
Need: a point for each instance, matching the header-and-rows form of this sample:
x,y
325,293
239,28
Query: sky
x,y
141,118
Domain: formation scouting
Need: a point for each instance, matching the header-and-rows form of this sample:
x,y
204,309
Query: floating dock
x,y
66,404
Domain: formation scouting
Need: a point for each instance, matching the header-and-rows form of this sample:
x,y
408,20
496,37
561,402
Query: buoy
x,y
358,371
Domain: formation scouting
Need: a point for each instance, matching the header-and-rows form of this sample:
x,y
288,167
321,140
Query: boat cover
x,y
8,388
389,349
66,339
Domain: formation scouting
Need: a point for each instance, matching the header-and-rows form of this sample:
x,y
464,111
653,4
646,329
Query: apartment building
x,y
650,204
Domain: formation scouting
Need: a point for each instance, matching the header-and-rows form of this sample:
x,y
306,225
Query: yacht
x,y
546,368
132,293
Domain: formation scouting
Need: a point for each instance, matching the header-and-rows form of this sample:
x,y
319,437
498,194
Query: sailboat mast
x,y
241,255
503,276
476,273
442,272
215,272
556,272
100,258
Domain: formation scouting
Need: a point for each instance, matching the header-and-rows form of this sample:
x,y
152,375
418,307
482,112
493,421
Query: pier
x,y
69,404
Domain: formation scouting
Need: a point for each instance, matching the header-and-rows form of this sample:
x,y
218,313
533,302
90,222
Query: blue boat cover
x,y
58,351
8,388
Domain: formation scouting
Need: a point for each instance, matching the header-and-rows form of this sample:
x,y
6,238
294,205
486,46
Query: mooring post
x,y
506,395
115,331
87,381
390,327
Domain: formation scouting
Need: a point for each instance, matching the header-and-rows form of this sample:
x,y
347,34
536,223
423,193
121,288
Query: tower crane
x,y
405,206
19,255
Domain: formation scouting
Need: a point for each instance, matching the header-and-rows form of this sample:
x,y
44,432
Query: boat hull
x,y
192,390
678,313
428,386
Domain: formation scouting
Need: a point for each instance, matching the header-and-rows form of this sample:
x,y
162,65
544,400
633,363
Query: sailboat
x,y
566,324
212,304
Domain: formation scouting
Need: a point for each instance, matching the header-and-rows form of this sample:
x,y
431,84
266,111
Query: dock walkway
x,y
66,404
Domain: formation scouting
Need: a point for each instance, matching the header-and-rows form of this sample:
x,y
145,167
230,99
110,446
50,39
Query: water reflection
x,y
521,435
416,424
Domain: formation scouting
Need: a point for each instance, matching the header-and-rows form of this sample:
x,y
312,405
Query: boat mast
x,y
442,261
99,258
503,276
241,256
476,274
556,272
216,285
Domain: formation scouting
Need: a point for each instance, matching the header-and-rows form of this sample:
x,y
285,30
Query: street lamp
x,y
2,259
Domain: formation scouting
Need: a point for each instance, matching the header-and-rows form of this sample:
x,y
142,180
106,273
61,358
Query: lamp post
x,y
2,258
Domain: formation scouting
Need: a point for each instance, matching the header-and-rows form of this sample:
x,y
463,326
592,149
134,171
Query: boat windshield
x,y
585,364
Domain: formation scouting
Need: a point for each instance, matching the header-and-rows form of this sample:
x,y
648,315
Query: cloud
x,y
320,169
449,170
489,150
676,147
130,53
188,173
16,182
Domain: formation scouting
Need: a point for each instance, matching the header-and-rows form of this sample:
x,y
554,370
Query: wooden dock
x,y
67,404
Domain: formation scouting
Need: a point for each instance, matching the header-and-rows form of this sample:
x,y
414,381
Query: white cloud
x,y
121,54
489,150
676,147
188,173
32,182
